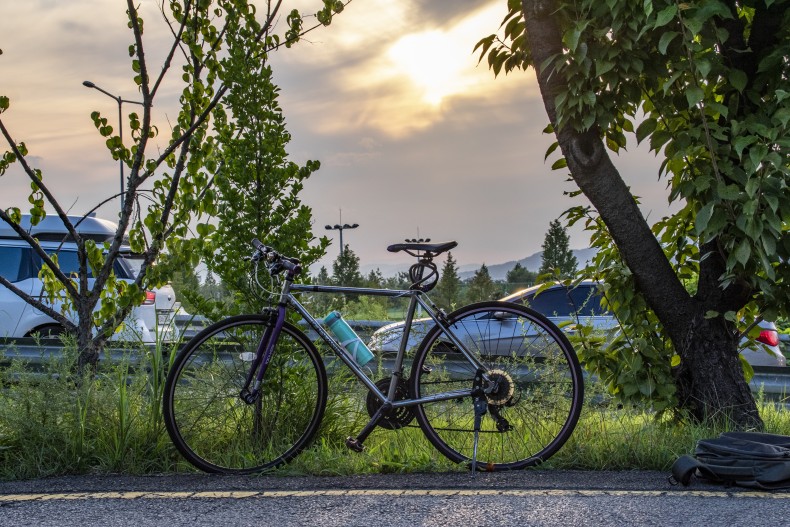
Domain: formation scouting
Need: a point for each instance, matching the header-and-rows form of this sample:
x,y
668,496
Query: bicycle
x,y
493,384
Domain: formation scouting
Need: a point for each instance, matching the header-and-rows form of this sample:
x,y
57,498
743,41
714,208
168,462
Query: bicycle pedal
x,y
354,445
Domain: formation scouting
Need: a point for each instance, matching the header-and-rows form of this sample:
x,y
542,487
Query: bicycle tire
x,y
537,400
209,423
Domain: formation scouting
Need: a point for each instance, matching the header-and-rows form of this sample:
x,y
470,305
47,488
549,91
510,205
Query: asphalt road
x,y
524,498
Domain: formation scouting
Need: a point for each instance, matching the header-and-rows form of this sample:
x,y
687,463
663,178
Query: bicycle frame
x,y
286,299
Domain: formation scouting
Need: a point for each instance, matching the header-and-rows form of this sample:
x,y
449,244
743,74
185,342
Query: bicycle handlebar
x,y
274,261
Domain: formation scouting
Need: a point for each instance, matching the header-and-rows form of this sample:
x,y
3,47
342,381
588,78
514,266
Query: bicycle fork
x,y
262,356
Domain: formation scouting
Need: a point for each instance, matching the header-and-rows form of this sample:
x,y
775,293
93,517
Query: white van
x,y
21,265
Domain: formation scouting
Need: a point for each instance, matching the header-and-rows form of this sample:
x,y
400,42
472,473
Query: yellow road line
x,y
234,494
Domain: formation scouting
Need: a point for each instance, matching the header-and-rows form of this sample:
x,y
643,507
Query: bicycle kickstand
x,y
481,407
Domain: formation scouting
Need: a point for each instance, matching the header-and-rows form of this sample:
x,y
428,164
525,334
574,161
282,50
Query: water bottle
x,y
348,338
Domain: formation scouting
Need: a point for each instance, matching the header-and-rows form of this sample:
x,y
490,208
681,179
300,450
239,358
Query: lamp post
x,y
341,228
120,101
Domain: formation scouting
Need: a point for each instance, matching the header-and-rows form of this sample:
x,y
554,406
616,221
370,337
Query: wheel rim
x,y
534,394
219,432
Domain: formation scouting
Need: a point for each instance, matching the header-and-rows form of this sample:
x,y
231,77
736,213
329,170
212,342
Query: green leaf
x,y
694,95
756,155
665,16
665,40
743,252
602,67
728,192
742,142
738,80
645,128
551,149
559,164
703,217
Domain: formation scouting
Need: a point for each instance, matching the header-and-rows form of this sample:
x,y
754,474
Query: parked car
x,y
569,307
21,265
165,299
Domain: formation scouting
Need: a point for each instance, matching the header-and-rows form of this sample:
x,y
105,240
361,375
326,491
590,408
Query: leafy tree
x,y
557,257
448,290
704,83
256,187
481,286
208,37
520,277
345,269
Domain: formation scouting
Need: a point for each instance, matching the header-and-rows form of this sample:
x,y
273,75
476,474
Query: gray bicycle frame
x,y
415,299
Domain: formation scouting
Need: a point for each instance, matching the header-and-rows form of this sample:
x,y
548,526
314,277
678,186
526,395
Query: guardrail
x,y
773,383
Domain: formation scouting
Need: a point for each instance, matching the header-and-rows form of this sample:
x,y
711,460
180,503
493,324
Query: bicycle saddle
x,y
430,249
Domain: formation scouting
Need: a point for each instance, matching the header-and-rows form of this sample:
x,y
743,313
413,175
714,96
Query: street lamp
x,y
89,84
341,228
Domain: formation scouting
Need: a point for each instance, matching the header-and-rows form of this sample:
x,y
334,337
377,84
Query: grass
x,y
52,423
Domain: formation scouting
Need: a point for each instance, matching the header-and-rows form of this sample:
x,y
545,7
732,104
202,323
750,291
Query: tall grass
x,y
52,423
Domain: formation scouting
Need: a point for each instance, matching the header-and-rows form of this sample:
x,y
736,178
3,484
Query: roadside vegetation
x,y
55,423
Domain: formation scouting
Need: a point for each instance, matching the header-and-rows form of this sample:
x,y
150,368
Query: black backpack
x,y
745,459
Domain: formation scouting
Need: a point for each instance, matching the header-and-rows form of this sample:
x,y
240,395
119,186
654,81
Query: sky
x,y
415,139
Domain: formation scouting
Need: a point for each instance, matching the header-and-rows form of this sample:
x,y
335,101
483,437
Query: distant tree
x,y
481,286
323,277
448,290
322,303
374,279
185,282
520,277
399,281
345,269
211,288
557,256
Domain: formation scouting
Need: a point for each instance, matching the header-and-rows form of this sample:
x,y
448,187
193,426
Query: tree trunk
x,y
709,380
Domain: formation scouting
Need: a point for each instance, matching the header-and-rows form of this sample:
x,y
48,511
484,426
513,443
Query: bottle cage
x,y
419,279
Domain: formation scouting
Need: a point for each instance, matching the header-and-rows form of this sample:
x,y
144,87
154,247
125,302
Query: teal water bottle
x,y
348,338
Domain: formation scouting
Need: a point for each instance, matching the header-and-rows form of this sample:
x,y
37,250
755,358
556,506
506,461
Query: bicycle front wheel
x,y
532,382
214,428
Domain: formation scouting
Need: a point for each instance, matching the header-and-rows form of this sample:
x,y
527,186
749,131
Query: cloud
x,y
390,70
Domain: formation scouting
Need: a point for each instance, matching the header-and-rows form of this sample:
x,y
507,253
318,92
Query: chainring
x,y
397,417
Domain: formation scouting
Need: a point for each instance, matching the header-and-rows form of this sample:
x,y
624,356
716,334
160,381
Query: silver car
x,y
567,308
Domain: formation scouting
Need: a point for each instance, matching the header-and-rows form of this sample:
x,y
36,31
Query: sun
x,y
432,63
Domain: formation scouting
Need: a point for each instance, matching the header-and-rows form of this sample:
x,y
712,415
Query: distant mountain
x,y
497,271
531,263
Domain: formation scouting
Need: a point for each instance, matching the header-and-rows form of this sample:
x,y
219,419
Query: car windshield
x,y
560,302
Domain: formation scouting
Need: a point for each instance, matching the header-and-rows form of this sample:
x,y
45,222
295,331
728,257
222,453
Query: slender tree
x,y
481,286
448,290
345,269
557,257
207,37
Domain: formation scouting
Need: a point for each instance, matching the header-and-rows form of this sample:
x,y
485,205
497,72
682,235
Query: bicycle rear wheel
x,y
534,391
217,431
